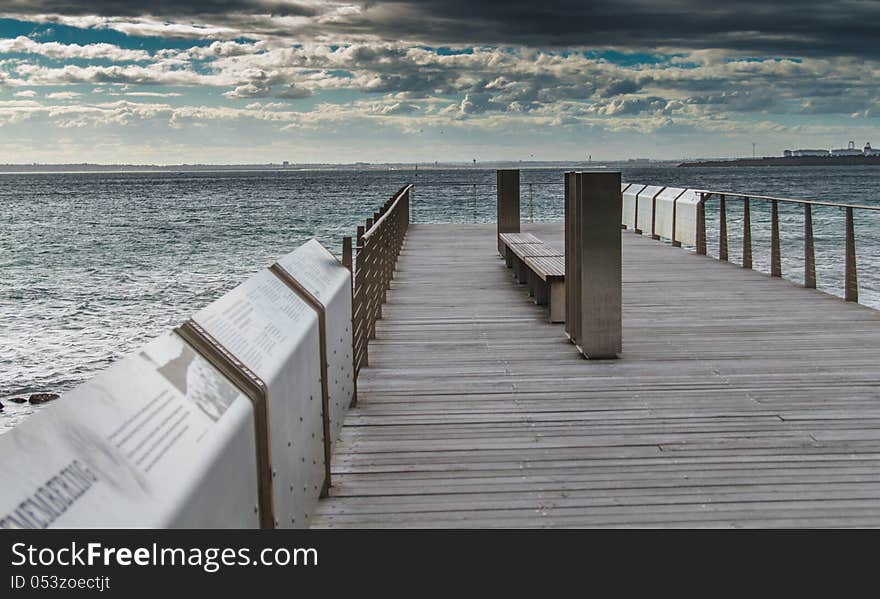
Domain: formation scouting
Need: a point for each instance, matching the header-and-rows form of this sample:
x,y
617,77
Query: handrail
x,y
710,193
379,243
485,186
466,184
851,285
385,212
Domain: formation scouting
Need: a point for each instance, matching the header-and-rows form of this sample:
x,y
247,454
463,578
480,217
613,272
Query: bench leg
x,y
520,270
557,302
533,282
542,296
508,257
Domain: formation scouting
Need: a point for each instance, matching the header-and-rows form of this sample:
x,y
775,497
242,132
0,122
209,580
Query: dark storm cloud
x,y
808,27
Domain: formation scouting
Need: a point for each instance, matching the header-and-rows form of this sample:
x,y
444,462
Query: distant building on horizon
x,y
850,150
800,153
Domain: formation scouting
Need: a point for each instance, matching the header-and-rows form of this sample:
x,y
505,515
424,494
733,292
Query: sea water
x,y
93,265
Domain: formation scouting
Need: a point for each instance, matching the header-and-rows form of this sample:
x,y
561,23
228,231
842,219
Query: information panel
x,y
158,440
330,282
645,210
629,204
686,217
275,334
664,206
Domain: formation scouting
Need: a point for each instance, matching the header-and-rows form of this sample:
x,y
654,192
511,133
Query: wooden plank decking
x,y
739,400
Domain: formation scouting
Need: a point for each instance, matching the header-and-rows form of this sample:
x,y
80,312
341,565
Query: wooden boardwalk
x,y
739,400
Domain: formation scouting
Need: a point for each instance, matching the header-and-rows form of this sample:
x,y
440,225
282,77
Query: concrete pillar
x,y
596,258
507,188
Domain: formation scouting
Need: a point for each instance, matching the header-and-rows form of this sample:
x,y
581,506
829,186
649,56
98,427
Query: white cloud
x,y
63,95
57,50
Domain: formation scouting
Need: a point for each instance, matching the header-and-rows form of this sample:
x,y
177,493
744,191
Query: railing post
x,y
722,227
348,262
775,254
809,249
346,252
361,293
531,206
507,194
367,297
386,253
701,224
851,292
380,269
370,257
675,242
747,233
654,235
475,201
597,257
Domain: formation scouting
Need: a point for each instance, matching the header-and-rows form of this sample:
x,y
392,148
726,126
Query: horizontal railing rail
x,y
851,286
791,200
478,199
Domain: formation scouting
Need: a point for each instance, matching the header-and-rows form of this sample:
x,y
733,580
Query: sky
x,y
309,81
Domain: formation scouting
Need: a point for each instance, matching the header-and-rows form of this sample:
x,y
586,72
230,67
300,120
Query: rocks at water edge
x,y
38,398
34,399
1,406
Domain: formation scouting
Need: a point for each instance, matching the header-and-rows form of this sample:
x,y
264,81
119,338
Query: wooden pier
x,y
739,400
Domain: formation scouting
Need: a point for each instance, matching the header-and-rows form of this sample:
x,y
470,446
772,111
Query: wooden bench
x,y
539,266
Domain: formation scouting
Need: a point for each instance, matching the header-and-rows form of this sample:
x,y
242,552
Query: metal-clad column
x,y
507,189
598,260
571,281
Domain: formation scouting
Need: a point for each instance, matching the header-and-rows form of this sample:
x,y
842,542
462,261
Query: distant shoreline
x,y
362,166
790,161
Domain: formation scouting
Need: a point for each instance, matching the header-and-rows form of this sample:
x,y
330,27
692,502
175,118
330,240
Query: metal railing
x,y
378,245
477,201
851,285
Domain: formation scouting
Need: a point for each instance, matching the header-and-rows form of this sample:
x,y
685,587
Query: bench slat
x,y
516,238
549,268
525,250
